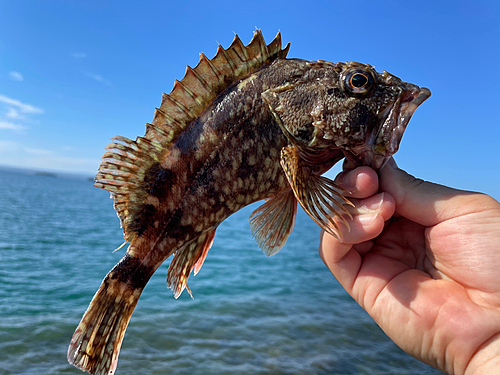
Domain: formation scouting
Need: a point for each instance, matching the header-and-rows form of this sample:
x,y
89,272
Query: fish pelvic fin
x,y
190,256
273,222
128,167
96,343
320,197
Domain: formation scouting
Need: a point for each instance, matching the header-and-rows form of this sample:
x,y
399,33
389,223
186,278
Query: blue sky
x,y
75,73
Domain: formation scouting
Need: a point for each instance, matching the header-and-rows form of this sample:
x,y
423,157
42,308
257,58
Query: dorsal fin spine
x,y
118,154
195,74
120,163
169,104
222,52
179,105
112,164
284,52
256,49
160,119
117,172
238,45
157,129
212,76
128,149
214,70
275,44
163,120
184,88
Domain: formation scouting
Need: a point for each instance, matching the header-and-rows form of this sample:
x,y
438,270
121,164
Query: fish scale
x,y
247,125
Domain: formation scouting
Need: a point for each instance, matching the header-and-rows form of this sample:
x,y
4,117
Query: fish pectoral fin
x,y
272,223
190,256
320,197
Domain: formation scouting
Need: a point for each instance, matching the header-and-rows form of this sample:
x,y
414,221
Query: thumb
x,y
425,202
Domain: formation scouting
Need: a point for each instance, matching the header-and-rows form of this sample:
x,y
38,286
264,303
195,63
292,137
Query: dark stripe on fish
x,y
143,219
160,181
130,270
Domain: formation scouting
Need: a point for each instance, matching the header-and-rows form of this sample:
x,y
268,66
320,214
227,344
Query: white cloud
x,y
79,55
14,114
98,78
22,107
16,76
10,126
8,146
38,151
18,155
62,163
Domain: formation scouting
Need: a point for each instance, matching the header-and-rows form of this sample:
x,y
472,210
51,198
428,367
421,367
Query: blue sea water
x,y
250,314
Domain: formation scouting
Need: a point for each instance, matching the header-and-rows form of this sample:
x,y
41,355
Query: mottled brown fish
x,y
247,125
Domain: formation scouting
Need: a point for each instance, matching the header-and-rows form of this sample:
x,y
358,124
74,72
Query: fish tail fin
x,y
96,343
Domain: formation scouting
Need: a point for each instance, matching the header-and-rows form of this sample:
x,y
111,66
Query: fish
x,y
247,125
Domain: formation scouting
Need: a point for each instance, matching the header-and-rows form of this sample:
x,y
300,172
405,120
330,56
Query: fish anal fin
x,y
273,222
320,197
190,256
207,244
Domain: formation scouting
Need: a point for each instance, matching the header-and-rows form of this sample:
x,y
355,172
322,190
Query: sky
x,y
73,74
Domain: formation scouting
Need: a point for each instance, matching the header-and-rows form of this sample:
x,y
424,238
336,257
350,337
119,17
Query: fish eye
x,y
358,82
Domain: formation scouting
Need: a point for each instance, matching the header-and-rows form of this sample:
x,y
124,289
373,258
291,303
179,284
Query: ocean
x,y
250,314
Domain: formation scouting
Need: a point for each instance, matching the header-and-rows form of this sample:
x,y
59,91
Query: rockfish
x,y
245,126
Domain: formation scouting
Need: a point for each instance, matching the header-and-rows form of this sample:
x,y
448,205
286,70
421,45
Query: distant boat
x,y
47,174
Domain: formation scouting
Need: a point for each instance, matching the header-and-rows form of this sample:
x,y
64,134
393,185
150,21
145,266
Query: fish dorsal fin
x,y
124,167
201,85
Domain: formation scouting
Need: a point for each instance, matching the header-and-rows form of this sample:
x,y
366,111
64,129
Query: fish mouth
x,y
383,141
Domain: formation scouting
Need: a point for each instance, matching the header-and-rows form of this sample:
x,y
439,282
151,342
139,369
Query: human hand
x,y
424,261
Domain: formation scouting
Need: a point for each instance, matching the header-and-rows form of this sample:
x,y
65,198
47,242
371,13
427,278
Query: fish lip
x,y
391,132
410,101
384,142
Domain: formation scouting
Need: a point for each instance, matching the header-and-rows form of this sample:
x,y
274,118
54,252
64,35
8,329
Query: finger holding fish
x,y
370,212
360,182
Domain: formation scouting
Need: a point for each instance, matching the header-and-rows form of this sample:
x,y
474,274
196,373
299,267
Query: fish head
x,y
348,107
376,110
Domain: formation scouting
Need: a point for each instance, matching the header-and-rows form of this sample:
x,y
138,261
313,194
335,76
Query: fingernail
x,y
392,163
377,205
367,219
349,180
372,207
321,234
